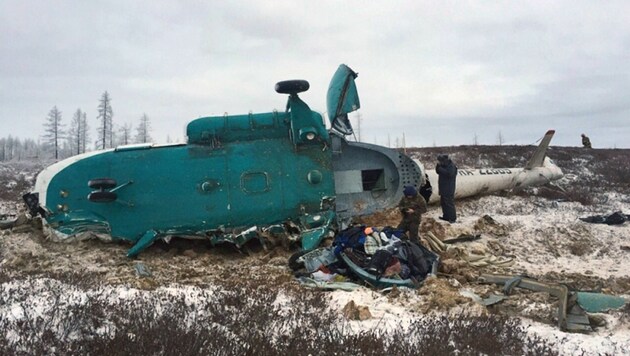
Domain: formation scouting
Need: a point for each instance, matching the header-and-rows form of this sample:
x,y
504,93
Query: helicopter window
x,y
373,179
255,182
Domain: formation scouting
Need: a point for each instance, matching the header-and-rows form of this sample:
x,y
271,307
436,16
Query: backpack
x,y
415,258
351,237
379,262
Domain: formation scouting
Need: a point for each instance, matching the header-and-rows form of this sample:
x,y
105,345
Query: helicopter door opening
x,y
373,179
359,181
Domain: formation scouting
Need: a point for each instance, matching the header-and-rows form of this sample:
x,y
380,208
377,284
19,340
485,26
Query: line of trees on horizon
x,y
58,142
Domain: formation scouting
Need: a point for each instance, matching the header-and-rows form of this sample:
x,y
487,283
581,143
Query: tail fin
x,y
539,156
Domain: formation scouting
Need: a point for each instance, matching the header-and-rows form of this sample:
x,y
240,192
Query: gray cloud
x,y
440,72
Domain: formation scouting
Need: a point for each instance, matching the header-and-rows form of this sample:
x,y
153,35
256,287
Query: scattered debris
x,y
352,311
488,225
434,243
616,218
313,283
572,306
493,299
490,300
599,302
19,223
559,291
463,238
142,270
488,260
379,257
7,222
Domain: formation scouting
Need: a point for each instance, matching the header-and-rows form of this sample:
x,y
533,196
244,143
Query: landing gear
x,y
102,195
292,86
102,183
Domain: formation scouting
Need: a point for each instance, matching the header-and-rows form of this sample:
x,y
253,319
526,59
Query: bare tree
x,y
105,115
12,148
85,133
17,149
124,134
30,148
53,129
500,139
8,148
142,131
78,132
475,140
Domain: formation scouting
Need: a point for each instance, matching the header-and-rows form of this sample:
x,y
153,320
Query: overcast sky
x,y
442,72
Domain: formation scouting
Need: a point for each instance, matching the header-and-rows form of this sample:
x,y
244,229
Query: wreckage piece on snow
x,y
6,222
616,218
599,302
569,319
475,260
488,301
312,260
377,281
435,243
463,238
328,285
142,270
20,224
420,263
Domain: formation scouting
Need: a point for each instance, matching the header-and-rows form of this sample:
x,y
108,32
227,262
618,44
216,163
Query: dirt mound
x,y
486,224
390,217
439,295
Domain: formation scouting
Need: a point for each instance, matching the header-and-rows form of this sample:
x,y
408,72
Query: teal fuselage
x,y
234,173
240,171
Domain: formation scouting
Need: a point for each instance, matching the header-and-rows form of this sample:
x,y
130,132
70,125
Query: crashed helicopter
x,y
242,177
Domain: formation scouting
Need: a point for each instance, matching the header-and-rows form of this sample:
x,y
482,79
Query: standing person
x,y
447,172
586,142
411,206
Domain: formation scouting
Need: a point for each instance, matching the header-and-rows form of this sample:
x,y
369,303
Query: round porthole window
x,y
314,177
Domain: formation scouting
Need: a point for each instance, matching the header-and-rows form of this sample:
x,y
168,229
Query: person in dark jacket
x,y
411,206
447,172
586,142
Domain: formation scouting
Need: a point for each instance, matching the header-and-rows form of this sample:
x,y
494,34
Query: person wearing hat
x,y
586,142
411,206
447,172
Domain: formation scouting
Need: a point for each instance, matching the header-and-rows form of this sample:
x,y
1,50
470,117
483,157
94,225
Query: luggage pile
x,y
378,257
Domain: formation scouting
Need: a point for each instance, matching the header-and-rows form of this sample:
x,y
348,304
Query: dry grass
x,y
243,319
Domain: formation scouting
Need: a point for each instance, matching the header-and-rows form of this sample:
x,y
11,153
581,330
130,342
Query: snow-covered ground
x,y
544,237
